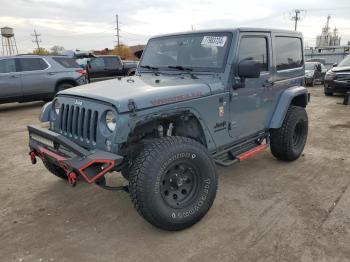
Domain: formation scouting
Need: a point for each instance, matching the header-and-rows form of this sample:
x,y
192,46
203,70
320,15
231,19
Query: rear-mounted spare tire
x,y
173,182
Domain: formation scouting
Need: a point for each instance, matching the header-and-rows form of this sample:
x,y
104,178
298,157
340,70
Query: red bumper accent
x,y
252,152
106,165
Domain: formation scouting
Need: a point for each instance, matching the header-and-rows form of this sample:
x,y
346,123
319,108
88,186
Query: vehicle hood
x,y
309,72
341,69
147,90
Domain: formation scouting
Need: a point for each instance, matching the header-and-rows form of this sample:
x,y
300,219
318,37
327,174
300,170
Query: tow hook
x,y
72,179
33,155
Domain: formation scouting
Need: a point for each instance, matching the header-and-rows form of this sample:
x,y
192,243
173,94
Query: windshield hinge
x,y
132,105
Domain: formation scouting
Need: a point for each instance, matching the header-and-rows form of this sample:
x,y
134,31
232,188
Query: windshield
x,y
310,66
196,52
345,61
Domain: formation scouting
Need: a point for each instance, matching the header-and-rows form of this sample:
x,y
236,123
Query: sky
x,y
90,24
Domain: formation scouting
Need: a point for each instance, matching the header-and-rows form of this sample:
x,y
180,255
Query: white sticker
x,y
214,40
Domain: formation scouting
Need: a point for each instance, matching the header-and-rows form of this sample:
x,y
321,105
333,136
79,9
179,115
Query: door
x,y
250,105
97,68
10,82
37,78
113,65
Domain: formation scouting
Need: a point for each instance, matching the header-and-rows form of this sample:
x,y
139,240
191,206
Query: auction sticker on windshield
x,y
214,41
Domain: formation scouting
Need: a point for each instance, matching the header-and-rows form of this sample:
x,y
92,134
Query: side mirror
x,y
249,69
335,64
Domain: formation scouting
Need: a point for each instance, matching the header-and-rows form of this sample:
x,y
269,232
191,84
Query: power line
x,y
36,40
296,17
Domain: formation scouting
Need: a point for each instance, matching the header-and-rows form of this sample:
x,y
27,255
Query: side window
x,y
7,66
32,64
254,48
112,62
97,63
289,53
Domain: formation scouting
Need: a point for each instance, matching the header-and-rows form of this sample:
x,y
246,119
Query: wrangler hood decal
x,y
146,91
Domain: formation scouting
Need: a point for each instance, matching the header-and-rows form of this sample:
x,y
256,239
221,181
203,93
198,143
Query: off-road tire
x,y
149,176
288,141
56,170
125,173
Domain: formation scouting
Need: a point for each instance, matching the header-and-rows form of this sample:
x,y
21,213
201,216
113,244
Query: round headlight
x,y
111,120
57,106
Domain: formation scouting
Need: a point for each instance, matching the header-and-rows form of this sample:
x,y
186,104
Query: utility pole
x,y
117,28
296,18
37,40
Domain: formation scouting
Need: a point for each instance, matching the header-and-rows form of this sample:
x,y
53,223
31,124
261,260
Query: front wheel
x,y
288,141
173,182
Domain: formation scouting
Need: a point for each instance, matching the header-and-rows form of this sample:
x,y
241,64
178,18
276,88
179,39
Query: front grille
x,y
78,122
343,77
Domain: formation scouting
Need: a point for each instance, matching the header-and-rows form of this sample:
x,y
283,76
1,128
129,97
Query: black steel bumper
x,y
337,86
72,158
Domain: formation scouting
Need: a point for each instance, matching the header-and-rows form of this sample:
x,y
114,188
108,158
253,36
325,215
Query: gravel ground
x,y
265,210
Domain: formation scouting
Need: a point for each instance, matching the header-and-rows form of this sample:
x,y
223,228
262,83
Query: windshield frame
x,y
194,69
347,60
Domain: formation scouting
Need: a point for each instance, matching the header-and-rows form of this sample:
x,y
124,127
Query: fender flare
x,y
139,120
296,95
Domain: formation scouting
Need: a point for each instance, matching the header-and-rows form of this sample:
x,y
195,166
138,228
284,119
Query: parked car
x,y
31,77
314,72
337,79
198,99
109,66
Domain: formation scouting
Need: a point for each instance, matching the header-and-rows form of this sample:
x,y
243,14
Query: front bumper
x,y
337,86
72,158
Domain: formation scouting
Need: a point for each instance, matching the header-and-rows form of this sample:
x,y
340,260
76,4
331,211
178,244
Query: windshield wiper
x,y
182,68
186,69
149,67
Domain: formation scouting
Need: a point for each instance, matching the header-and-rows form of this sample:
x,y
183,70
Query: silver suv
x,y
32,77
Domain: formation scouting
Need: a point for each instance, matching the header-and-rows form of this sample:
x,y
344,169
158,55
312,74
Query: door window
x,y
254,48
32,64
7,66
97,63
289,53
112,62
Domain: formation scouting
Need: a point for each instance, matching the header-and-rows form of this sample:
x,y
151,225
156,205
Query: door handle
x,y
51,73
268,83
14,76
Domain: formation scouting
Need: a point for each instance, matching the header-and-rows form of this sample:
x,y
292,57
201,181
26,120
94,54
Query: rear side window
x,y
254,48
32,64
7,66
97,63
112,62
289,53
66,62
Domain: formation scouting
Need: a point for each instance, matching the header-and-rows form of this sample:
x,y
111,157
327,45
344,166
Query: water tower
x,y
8,41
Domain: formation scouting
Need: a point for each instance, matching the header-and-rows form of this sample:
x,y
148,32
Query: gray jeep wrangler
x,y
198,99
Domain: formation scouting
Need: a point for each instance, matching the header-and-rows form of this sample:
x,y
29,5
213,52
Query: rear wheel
x,y
63,86
288,141
173,182
55,170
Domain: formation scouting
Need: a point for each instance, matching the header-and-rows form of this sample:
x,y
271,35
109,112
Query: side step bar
x,y
242,151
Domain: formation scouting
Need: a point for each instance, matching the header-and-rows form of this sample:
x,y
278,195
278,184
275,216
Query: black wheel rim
x,y
179,184
298,134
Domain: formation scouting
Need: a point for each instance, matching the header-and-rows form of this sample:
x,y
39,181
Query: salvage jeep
x,y
198,99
